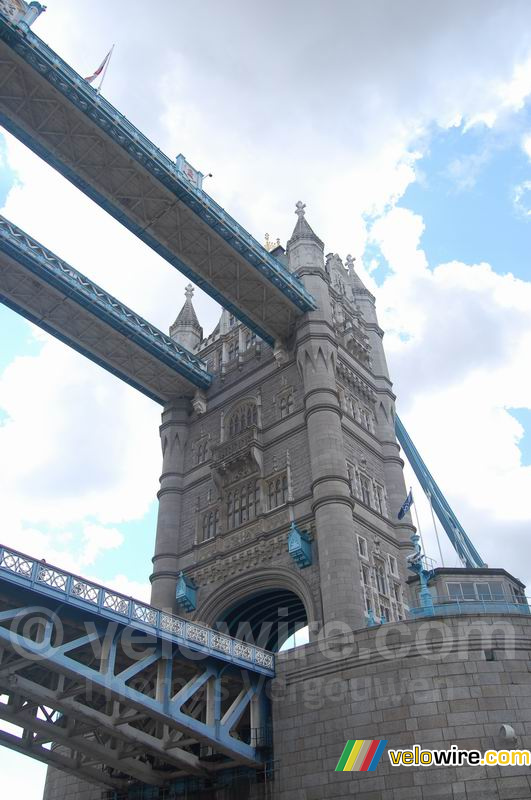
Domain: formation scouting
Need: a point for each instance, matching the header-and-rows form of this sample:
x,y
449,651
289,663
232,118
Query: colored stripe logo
x,y
361,755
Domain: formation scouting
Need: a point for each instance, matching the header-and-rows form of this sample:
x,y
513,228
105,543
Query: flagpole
x,y
435,528
105,70
418,523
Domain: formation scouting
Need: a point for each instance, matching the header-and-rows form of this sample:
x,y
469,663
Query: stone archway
x,y
265,606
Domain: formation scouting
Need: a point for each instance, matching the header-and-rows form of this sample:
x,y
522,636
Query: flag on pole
x,y
406,505
92,78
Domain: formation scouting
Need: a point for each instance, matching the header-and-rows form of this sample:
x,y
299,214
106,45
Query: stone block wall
x,y
418,682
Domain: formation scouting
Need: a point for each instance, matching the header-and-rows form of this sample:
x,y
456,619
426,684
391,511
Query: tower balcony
x,y
238,457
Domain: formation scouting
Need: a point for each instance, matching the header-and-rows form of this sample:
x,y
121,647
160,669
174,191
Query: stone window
x,y
234,349
381,581
250,339
367,419
277,491
379,498
202,451
362,547
243,504
365,490
244,417
286,405
210,524
393,567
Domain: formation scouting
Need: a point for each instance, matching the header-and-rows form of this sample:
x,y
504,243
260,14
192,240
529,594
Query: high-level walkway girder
x,y
56,113
62,301
121,690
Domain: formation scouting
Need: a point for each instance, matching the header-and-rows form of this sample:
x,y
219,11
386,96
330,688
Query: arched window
x,y
210,524
277,490
242,505
380,580
243,417
365,490
289,403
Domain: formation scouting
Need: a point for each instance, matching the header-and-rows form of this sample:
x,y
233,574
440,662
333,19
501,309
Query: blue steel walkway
x,y
56,297
61,117
120,689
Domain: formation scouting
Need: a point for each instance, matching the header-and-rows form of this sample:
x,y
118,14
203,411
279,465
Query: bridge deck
x,y
122,690
56,113
62,301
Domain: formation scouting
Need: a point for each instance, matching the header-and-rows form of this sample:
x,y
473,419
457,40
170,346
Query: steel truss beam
x,y
108,698
49,107
56,297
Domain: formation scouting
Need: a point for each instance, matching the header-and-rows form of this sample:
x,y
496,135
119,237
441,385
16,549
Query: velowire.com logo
x,y
361,755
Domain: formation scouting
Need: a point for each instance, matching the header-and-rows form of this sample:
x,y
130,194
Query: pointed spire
x,y
302,229
186,329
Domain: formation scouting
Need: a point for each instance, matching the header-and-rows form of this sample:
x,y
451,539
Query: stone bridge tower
x,y
280,489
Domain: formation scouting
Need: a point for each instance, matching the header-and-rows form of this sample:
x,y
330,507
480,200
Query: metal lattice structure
x,y
56,113
112,689
56,297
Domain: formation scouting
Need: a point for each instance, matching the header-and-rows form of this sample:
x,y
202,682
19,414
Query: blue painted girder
x,y
41,286
460,541
79,594
177,219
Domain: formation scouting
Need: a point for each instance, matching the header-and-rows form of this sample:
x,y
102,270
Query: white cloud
x,y
458,342
522,198
526,145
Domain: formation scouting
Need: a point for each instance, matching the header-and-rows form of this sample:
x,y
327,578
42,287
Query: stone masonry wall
x,y
418,682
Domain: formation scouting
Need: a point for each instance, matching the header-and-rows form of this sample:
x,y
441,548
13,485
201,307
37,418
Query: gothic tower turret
x,y
186,329
279,492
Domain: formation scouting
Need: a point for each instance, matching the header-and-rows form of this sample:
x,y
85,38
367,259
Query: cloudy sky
x,y
406,129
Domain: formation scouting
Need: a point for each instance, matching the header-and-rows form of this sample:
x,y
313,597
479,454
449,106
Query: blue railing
x,y
118,127
70,589
445,607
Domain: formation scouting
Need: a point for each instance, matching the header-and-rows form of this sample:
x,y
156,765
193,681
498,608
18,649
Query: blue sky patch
x,y
467,179
523,415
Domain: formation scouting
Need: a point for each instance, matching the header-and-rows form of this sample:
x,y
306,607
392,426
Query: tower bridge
x,y
61,117
279,496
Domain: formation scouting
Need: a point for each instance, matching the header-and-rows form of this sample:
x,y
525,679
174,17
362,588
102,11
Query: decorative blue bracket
x,y
416,563
299,547
186,594
371,619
